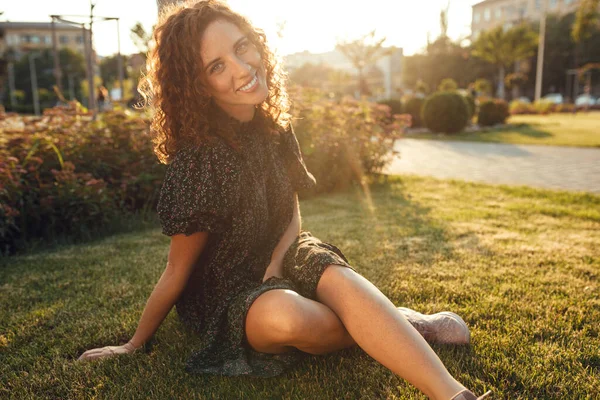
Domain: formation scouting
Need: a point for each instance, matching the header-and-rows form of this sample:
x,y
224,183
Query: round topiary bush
x,y
414,106
502,111
445,112
492,112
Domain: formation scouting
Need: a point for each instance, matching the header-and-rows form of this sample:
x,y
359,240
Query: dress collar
x,y
227,122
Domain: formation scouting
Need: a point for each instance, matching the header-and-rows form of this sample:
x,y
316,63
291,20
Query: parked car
x,y
585,100
523,99
555,98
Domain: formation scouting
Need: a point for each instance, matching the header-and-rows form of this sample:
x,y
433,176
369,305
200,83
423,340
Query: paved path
x,y
554,167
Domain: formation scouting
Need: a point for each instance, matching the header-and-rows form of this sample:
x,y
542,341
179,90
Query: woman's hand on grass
x,y
107,351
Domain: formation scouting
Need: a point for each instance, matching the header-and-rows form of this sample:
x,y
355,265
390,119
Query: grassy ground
x,y
520,265
580,130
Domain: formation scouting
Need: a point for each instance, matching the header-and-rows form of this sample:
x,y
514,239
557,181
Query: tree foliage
x,y
503,48
587,20
140,37
362,53
109,69
72,64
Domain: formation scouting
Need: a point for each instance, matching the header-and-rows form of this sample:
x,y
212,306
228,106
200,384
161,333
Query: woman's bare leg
x,y
381,331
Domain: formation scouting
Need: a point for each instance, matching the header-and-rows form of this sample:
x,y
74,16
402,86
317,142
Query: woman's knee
x,y
275,317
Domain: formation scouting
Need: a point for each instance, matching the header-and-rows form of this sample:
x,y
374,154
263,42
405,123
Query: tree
x,y
140,37
587,21
503,48
363,52
109,69
71,62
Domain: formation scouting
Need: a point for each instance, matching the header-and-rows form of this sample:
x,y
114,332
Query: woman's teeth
x,y
249,85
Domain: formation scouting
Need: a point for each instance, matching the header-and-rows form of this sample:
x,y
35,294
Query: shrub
x,y
395,105
565,108
343,141
448,85
483,86
492,112
518,107
543,106
64,173
446,112
414,107
421,87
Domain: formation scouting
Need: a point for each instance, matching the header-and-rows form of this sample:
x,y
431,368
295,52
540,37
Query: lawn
x,y
582,130
520,265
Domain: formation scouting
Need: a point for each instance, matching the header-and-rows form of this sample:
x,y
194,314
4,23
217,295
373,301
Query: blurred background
x,y
95,51
444,88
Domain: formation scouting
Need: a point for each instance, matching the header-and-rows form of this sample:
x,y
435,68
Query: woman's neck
x,y
242,112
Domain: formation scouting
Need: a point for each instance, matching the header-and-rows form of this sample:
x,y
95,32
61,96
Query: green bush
x,y
518,107
414,107
492,112
64,173
395,106
343,141
445,112
448,85
543,106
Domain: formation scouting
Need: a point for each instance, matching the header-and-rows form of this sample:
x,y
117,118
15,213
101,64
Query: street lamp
x,y
34,87
540,59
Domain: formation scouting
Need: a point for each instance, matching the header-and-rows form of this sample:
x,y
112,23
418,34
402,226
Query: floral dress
x,y
245,200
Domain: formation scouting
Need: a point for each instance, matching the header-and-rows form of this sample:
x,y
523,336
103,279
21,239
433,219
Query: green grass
x,y
580,130
520,265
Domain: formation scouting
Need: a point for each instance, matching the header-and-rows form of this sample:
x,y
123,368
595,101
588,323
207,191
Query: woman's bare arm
x,y
183,254
288,237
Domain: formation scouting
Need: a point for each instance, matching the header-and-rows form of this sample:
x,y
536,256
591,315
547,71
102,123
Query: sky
x,y
313,25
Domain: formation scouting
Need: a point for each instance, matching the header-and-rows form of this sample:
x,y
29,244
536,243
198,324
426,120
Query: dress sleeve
x,y
292,157
199,192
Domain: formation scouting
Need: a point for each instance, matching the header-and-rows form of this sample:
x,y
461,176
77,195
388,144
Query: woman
x,y
262,292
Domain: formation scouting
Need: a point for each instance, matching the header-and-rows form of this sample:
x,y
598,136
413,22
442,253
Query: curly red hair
x,y
172,85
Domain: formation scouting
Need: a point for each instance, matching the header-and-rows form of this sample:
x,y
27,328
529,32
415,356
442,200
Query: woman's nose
x,y
242,68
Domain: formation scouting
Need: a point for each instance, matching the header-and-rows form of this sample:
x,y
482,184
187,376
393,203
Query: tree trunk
x,y
500,92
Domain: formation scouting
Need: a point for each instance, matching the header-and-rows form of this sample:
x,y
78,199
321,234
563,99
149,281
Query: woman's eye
x,y
216,68
242,48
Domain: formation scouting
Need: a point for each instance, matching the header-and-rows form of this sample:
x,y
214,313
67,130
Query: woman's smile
x,y
250,86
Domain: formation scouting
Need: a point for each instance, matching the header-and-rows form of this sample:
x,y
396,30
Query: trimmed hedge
x,y
493,112
446,112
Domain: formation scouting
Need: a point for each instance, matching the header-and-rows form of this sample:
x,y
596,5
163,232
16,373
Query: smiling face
x,y
232,69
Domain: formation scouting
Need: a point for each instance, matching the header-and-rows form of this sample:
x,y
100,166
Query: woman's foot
x,y
444,327
468,395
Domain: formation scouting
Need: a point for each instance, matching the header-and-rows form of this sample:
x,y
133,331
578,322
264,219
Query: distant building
x,y
24,37
489,14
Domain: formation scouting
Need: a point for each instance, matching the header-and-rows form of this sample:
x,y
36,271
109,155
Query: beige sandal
x,y
468,395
